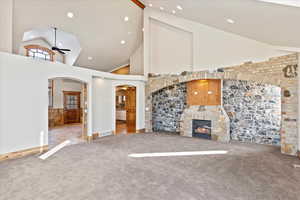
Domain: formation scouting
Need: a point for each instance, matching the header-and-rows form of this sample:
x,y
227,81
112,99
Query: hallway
x,y
123,128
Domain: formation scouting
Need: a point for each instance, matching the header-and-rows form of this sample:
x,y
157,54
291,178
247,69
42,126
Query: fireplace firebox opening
x,y
202,129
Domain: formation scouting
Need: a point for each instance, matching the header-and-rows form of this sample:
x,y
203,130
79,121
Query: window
x,y
39,52
71,100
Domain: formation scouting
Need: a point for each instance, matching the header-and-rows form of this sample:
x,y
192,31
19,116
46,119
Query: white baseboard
x,y
105,133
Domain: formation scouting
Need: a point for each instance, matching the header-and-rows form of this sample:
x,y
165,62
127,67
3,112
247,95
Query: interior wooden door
x,y
130,105
71,107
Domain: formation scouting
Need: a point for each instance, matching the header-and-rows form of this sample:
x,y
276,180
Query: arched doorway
x,y
125,109
67,111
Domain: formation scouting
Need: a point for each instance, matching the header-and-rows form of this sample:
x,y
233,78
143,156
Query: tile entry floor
x,y
72,132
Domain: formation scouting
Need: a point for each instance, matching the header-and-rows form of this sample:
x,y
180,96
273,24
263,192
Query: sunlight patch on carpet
x,y
54,150
167,154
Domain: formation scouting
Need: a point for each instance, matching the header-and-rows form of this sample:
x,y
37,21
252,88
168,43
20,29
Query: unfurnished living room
x,y
149,99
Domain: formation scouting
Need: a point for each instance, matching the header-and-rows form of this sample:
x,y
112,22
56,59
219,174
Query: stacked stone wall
x,y
254,110
280,71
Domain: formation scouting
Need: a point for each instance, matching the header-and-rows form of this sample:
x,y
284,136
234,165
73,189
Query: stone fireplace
x,y
213,118
246,112
202,128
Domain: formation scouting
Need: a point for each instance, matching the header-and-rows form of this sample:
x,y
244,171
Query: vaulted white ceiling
x,y
98,24
100,27
266,22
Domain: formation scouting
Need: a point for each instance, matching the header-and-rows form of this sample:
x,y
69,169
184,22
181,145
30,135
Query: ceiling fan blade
x,y
60,51
65,49
55,48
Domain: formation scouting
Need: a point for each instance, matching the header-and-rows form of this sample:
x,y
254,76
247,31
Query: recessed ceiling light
x,y
126,19
173,11
230,21
90,58
143,29
150,4
161,8
70,14
123,42
179,7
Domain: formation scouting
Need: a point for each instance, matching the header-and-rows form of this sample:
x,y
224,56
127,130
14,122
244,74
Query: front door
x,y
71,107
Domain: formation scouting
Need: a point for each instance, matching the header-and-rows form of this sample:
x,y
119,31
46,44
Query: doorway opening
x,y
125,109
67,116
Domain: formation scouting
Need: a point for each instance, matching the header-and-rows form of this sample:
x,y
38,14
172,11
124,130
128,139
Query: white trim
x,y
105,133
293,3
119,67
291,49
137,114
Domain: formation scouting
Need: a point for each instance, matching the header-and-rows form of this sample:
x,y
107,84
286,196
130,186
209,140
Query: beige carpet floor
x,y
103,170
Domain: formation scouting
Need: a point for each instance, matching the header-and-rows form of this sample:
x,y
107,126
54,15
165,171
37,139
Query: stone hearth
x,y
220,130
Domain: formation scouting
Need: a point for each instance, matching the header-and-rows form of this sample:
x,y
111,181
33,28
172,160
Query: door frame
x,y
137,105
86,110
127,121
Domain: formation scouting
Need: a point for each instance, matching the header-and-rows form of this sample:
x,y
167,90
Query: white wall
x,y
171,49
137,61
6,24
24,99
102,105
212,48
104,115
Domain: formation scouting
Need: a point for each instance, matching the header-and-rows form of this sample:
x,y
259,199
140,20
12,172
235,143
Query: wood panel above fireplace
x,y
204,92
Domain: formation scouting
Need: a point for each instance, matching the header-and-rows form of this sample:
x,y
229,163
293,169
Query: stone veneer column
x,y
298,88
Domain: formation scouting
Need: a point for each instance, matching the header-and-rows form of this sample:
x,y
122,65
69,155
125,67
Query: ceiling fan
x,y
55,48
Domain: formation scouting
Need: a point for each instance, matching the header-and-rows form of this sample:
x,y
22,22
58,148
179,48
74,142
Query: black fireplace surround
x,y
202,129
